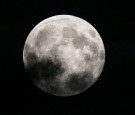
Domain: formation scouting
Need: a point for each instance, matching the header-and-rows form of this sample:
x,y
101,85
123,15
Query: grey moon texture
x,y
64,55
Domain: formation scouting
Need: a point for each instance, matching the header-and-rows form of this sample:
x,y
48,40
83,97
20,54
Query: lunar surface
x,y
64,55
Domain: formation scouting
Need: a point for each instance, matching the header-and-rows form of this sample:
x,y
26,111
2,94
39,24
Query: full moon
x,y
64,55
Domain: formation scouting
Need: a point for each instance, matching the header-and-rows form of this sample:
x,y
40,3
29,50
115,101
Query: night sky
x,y
112,94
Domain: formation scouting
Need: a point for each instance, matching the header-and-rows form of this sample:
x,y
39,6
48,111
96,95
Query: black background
x,y
112,94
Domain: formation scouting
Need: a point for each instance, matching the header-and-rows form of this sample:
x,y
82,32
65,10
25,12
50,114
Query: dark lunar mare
x,y
79,82
44,72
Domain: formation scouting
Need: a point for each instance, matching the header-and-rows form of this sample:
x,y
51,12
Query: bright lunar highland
x,y
64,55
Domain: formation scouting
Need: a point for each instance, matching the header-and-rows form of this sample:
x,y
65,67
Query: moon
x,y
64,55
